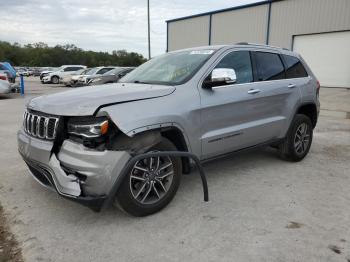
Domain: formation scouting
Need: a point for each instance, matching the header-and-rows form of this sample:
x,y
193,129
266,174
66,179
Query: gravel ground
x,y
261,208
9,248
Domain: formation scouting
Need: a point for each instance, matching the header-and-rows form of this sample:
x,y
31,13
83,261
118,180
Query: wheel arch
x,y
176,136
54,76
309,110
171,132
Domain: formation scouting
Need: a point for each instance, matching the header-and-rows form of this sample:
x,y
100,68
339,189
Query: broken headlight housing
x,y
89,127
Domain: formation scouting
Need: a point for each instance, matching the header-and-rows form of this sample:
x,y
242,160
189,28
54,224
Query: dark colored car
x,y
110,77
36,72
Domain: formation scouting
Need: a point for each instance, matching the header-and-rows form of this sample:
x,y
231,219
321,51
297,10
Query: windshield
x,y
169,69
91,71
85,72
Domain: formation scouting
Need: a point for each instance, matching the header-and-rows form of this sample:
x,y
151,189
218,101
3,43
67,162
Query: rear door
x,y
279,95
297,79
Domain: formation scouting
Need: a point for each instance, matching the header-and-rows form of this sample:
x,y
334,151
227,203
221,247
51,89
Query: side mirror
x,y
220,76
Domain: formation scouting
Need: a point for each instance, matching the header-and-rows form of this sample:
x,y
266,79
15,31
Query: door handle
x,y
291,85
253,91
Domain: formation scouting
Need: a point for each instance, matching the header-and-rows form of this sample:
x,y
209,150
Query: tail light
x,y
3,77
318,88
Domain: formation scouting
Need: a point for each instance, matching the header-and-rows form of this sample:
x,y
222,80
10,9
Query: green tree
x,y
40,54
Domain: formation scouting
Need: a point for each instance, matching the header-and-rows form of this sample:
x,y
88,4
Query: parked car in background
x,y
93,73
111,76
5,85
24,72
208,101
7,73
72,79
36,72
45,71
54,77
5,66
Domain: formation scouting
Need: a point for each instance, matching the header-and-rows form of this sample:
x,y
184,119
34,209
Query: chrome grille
x,y
40,126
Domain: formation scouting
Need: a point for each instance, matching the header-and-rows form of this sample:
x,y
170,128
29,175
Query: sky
x,y
98,25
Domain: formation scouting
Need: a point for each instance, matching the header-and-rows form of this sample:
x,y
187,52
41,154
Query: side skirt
x,y
250,148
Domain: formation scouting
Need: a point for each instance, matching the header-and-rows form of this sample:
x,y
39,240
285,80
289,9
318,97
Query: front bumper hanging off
x,y
44,176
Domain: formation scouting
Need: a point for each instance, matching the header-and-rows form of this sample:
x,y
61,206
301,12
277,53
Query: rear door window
x,y
294,68
268,66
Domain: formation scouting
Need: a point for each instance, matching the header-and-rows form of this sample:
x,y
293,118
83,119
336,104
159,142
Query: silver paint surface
x,y
212,121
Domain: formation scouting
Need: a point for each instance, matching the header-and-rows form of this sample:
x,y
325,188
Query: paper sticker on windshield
x,y
202,52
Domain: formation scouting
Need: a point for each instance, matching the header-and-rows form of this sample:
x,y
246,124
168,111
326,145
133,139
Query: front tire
x,y
151,184
55,80
298,141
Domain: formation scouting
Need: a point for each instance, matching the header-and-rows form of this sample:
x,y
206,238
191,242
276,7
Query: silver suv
x,y
208,101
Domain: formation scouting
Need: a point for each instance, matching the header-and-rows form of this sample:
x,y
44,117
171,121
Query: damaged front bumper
x,y
76,172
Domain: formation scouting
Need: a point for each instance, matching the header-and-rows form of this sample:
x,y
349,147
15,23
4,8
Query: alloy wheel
x,y
302,138
151,178
55,80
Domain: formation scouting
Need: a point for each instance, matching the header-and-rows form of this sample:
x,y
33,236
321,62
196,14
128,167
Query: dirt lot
x,y
261,208
9,248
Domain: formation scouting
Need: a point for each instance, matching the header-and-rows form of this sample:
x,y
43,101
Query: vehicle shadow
x,y
219,171
4,97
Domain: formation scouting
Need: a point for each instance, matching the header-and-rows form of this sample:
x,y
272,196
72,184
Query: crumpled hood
x,y
85,100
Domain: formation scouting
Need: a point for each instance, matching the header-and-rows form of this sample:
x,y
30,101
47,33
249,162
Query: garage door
x,y
328,56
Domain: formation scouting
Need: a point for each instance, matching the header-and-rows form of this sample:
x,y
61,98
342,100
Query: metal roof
x,y
224,10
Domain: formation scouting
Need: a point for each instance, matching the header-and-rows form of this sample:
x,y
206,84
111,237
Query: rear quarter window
x,y
294,68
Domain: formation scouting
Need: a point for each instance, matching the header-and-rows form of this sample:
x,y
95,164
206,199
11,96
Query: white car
x,y
54,77
93,73
72,79
45,71
5,86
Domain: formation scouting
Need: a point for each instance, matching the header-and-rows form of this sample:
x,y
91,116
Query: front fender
x,y
139,116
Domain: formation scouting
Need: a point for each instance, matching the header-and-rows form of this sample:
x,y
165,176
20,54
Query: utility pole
x,y
149,32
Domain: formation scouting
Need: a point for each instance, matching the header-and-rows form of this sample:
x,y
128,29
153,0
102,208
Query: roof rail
x,y
255,44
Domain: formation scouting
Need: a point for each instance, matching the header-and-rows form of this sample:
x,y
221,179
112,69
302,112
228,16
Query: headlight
x,y
90,127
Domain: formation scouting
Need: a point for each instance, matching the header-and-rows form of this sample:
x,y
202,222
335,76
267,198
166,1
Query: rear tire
x,y
297,143
148,187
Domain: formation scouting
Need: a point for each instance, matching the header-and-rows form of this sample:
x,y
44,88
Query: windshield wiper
x,y
141,82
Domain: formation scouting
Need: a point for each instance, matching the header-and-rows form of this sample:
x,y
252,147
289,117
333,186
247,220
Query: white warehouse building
x,y
317,29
